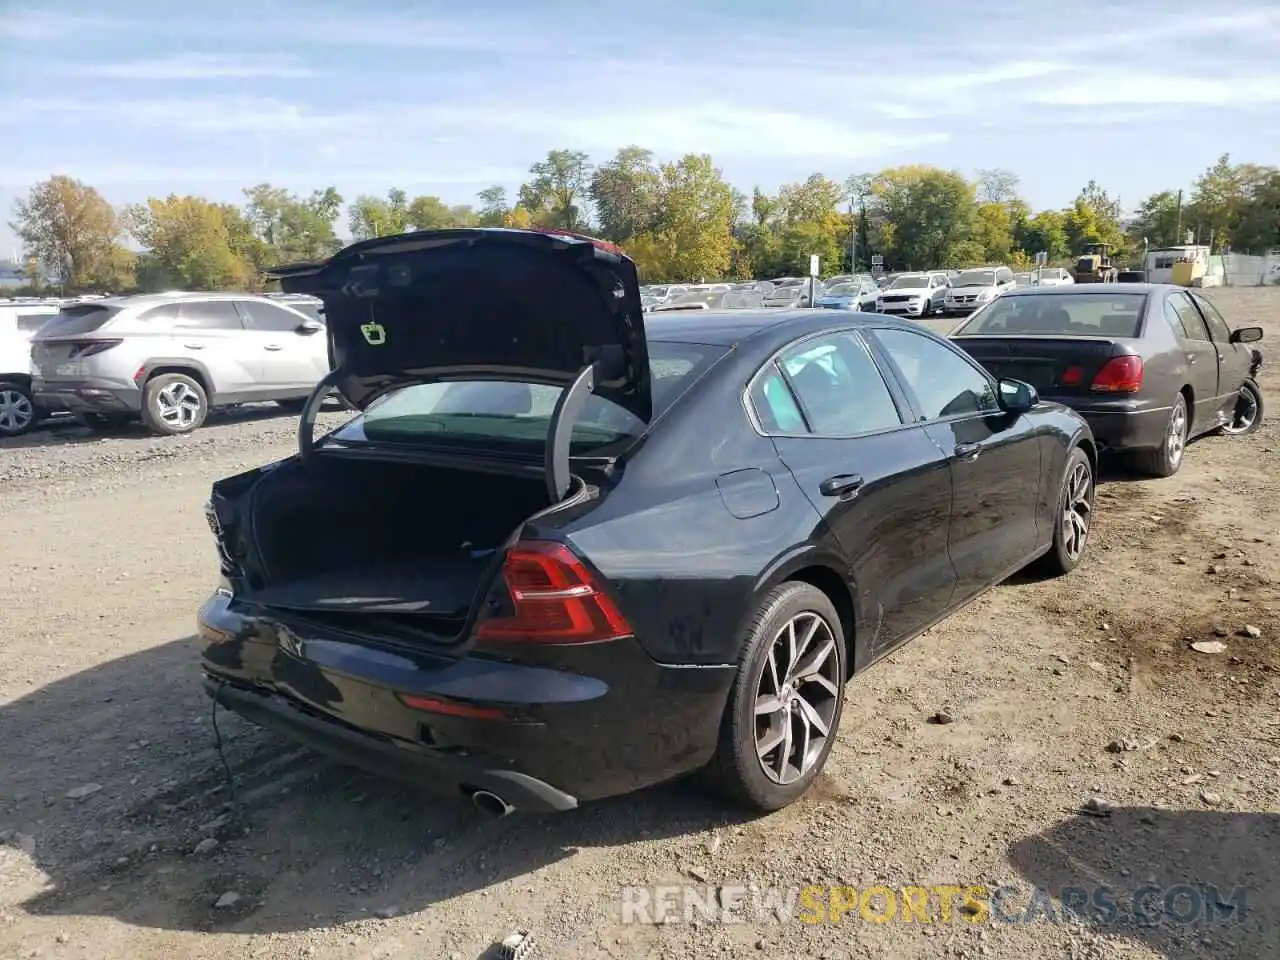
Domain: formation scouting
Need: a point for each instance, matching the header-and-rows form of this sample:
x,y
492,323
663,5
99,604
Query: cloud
x,y
188,66
1104,89
49,26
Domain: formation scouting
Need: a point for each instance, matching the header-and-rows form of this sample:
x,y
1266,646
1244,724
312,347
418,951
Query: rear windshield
x,y
909,283
1067,315
508,413
82,318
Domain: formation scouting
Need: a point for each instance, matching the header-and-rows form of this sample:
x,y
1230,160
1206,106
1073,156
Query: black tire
x,y
103,422
168,392
293,405
1071,535
1242,424
18,413
737,769
1165,460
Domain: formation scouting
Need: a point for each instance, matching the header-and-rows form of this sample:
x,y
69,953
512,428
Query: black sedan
x,y
1150,366
565,552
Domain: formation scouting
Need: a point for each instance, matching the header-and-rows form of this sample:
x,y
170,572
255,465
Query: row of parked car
x,y
166,359
916,294
562,591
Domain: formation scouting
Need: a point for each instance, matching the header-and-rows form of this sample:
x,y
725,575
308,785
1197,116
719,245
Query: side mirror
x,y
1246,335
308,327
1015,396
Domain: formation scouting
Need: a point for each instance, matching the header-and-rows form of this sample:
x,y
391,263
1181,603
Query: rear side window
x,y
208,315
839,389
1065,315
267,316
31,322
506,413
75,320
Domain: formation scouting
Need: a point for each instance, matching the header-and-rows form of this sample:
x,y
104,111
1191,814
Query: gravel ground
x,y
119,836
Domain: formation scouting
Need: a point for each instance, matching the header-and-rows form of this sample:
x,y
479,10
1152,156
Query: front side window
x,y
945,384
1217,325
507,413
838,390
1190,323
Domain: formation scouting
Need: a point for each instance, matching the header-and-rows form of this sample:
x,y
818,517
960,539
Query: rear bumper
x,y
1122,424
595,720
86,396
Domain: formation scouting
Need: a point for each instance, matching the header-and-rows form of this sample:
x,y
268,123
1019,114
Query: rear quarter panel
x,y
685,569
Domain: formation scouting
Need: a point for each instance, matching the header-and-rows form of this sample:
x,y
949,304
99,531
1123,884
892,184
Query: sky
x,y
142,98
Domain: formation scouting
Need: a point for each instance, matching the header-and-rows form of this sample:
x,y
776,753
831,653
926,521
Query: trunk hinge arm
x,y
307,419
560,438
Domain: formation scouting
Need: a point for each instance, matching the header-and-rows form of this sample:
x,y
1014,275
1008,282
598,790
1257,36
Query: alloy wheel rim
x,y
1077,511
1244,414
797,694
16,412
1177,433
179,405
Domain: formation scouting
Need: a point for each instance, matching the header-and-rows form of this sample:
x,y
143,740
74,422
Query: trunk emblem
x,y
375,334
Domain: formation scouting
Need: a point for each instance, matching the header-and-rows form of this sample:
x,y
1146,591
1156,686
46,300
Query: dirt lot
x,y
109,777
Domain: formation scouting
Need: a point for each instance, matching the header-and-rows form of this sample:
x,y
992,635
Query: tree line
x,y
680,221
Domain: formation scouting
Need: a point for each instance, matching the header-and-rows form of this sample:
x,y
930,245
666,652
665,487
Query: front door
x,y
1234,359
994,458
1201,360
290,359
881,484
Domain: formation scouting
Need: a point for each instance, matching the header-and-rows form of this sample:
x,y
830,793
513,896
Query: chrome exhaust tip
x,y
491,803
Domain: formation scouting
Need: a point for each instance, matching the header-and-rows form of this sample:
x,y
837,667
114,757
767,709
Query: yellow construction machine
x,y
1094,265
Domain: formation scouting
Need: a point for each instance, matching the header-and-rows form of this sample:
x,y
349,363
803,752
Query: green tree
x,y
625,191
1046,231
1157,220
927,213
1258,228
993,232
493,206
369,216
429,213
555,194
292,228
1094,217
188,245
74,234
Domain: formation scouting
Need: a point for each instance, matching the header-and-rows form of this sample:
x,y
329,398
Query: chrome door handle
x,y
840,484
272,346
1191,358
193,346
968,451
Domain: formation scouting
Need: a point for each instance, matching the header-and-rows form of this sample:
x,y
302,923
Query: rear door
x,y
1234,359
879,481
1197,348
293,355
994,457
210,333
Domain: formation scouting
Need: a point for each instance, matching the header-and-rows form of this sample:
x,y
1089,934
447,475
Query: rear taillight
x,y
554,599
1119,375
89,348
1072,376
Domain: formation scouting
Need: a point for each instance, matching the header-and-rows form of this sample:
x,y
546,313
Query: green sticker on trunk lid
x,y
375,334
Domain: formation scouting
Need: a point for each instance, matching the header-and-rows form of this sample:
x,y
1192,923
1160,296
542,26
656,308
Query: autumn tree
x,y
559,186
294,229
189,245
692,234
369,216
493,206
1094,217
74,234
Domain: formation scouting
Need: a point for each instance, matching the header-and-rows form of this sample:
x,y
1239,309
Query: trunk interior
x,y
407,543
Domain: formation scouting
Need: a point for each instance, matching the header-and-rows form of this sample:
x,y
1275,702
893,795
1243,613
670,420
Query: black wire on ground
x,y
217,743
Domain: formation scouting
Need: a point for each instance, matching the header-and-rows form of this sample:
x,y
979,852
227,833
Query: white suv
x,y
18,323
170,358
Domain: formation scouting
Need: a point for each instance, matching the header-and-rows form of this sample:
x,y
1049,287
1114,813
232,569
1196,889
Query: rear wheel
x,y
1247,415
17,409
785,706
1165,460
173,403
1075,516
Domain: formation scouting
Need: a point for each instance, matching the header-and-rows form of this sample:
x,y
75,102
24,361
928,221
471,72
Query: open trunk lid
x,y
484,303
1055,366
